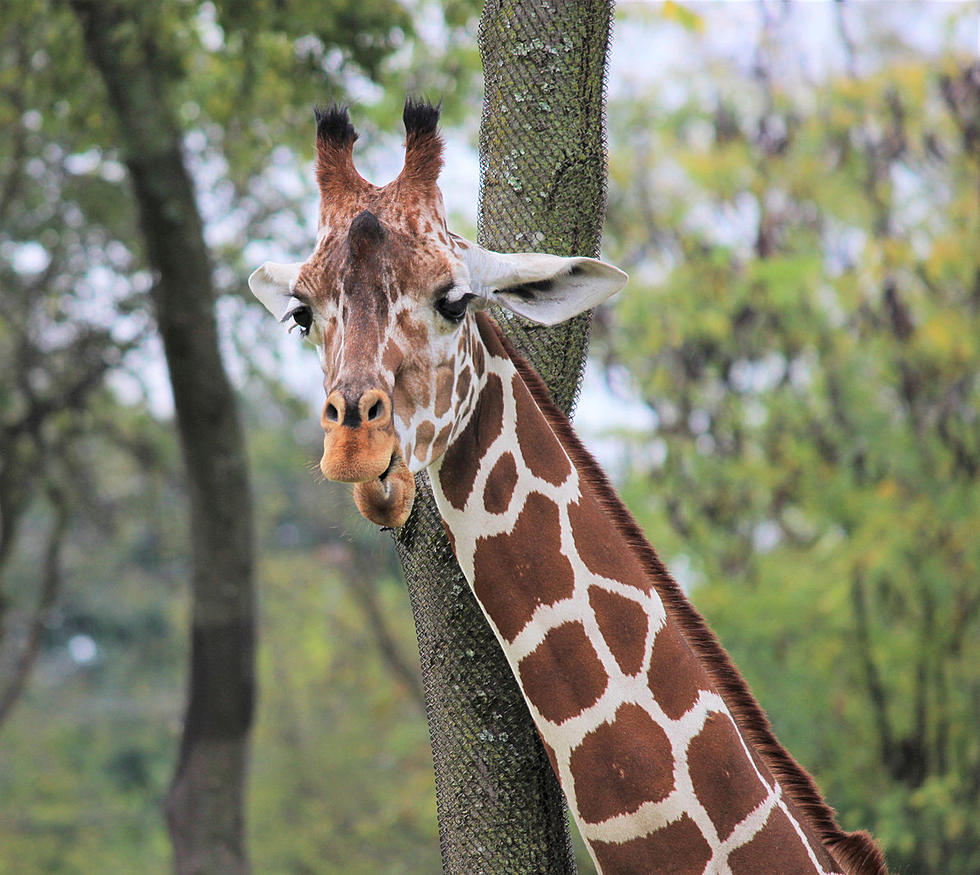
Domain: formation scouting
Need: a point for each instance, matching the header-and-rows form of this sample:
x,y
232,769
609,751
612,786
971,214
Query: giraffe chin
x,y
387,500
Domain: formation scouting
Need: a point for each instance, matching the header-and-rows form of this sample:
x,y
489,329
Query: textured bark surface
x,y
543,188
543,155
205,805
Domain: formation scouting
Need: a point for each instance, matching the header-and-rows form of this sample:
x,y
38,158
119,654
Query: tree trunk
x,y
205,804
542,150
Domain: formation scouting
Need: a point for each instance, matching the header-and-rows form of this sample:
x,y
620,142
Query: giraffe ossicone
x,y
667,761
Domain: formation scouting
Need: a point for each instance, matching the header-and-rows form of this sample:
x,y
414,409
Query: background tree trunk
x,y
542,152
205,804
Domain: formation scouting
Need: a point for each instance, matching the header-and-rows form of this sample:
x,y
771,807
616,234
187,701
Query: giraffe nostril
x,y
333,415
376,410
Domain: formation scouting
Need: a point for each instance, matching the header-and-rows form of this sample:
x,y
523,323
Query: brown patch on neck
x,y
600,556
622,764
623,624
500,484
491,335
536,441
723,778
460,461
671,659
516,571
680,840
563,676
856,852
767,850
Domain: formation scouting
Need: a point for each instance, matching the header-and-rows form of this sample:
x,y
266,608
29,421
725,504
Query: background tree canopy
x,y
794,190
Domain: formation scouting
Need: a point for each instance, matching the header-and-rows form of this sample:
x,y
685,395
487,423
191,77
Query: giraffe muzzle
x,y
358,436
360,447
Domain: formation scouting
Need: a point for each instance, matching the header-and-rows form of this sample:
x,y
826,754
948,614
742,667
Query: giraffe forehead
x,y
396,271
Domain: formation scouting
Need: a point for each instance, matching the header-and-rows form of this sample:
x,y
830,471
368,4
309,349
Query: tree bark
x,y
205,804
542,151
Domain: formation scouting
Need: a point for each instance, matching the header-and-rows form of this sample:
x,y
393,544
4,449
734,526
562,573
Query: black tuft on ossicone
x,y
333,123
420,116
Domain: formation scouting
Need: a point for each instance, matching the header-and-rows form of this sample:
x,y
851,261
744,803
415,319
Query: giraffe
x,y
667,761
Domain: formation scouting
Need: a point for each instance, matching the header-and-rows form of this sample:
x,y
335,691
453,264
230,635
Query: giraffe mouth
x,y
395,458
387,499
356,455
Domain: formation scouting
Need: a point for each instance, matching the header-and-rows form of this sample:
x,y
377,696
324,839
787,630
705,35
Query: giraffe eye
x,y
302,318
454,311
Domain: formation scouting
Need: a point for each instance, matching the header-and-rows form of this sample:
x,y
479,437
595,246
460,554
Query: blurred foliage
x,y
804,321
341,773
93,566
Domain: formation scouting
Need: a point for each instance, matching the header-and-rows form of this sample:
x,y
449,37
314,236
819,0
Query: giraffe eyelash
x,y
302,316
454,311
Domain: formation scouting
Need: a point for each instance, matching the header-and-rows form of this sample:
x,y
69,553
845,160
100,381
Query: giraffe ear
x,y
547,289
273,285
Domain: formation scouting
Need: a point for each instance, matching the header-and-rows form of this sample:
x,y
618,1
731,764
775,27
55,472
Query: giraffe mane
x,y
855,851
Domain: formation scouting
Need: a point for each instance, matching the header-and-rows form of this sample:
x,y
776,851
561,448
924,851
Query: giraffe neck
x,y
657,772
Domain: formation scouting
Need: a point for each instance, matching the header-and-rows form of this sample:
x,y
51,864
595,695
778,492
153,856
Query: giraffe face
x,y
388,298
387,312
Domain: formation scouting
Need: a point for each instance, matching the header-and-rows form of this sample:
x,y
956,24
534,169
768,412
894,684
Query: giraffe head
x,y
388,298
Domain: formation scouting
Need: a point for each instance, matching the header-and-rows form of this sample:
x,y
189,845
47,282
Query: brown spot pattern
x,y
444,390
563,676
479,358
621,765
463,383
623,624
514,573
414,331
603,556
775,848
674,675
423,438
392,356
462,458
540,449
677,848
441,440
412,390
723,778
500,484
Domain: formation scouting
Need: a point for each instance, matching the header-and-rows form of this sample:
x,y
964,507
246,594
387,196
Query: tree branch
x,y
50,586
875,687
